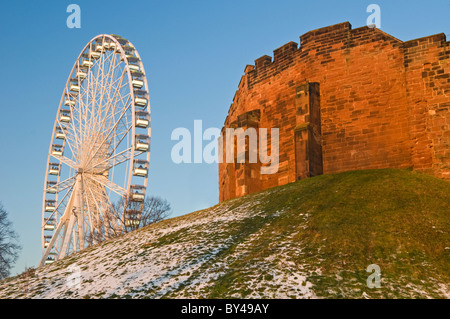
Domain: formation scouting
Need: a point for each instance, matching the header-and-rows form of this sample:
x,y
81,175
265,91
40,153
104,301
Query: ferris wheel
x,y
98,161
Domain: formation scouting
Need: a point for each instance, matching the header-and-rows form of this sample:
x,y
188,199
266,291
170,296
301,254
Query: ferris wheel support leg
x,y
80,216
80,232
72,215
67,236
51,244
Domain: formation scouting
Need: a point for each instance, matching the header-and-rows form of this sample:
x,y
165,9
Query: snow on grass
x,y
136,264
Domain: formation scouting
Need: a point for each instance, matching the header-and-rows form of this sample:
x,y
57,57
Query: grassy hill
x,y
310,239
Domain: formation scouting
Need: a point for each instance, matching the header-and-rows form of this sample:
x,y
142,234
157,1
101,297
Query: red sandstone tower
x,y
346,99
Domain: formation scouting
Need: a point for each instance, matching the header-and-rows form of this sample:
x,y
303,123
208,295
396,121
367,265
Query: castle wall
x,y
428,91
373,101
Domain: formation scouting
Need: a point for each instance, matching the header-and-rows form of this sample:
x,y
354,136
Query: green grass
x,y
396,219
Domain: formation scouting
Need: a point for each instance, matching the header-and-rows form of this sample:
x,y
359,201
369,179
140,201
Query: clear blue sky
x,y
194,54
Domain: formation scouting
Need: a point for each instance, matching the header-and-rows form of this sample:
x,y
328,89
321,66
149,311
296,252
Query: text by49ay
x,y
229,308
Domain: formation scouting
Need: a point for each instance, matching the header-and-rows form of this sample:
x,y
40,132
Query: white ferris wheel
x,y
98,161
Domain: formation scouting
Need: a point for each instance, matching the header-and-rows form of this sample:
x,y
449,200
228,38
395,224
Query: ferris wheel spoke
x,y
115,160
101,124
100,129
124,116
107,138
67,161
67,139
109,184
69,182
73,145
113,218
120,111
106,211
121,117
120,138
109,220
118,82
112,102
109,79
95,220
72,133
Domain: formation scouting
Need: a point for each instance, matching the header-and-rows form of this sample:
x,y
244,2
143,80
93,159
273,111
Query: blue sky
x,y
194,53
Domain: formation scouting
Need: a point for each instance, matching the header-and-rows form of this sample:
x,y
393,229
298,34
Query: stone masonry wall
x,y
369,101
